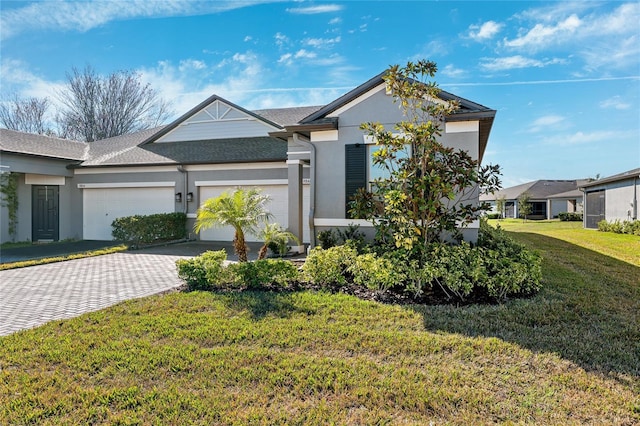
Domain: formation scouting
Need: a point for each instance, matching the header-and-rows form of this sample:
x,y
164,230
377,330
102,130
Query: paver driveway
x,y
33,296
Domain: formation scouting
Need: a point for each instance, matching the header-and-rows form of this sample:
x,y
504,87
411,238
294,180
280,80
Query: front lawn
x,y
569,355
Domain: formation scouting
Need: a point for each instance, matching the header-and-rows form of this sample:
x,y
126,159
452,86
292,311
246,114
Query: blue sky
x,y
564,77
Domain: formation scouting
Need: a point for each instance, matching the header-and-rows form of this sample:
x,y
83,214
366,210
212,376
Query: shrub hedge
x,y
150,228
570,217
620,227
209,272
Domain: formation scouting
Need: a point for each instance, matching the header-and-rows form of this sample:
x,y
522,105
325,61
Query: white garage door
x,y
278,206
102,205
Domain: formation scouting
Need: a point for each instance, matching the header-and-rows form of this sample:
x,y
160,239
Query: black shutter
x,y
355,171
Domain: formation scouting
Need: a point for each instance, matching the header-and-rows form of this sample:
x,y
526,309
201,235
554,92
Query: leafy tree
x,y
97,107
273,235
428,189
524,205
243,209
26,115
501,202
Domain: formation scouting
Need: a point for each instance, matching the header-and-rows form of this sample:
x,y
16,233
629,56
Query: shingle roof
x,y
287,116
42,146
222,150
614,178
537,190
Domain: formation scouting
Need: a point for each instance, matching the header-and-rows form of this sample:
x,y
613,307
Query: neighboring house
x,y
612,198
548,198
310,160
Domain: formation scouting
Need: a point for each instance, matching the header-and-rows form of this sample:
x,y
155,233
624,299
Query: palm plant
x,y
243,209
272,233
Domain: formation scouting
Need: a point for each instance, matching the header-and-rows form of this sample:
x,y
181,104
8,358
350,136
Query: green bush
x,y
570,217
206,271
631,227
493,216
209,272
147,229
265,272
327,239
376,273
330,266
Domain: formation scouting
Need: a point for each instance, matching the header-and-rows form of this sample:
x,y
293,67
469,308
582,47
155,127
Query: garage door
x,y
278,206
102,205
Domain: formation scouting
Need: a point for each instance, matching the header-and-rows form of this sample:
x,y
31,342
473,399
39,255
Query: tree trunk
x,y
263,252
239,246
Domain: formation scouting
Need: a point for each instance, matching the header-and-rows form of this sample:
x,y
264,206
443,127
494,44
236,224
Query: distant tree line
x,y
90,107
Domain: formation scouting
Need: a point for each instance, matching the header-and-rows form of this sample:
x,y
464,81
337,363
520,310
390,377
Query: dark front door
x,y
595,208
44,208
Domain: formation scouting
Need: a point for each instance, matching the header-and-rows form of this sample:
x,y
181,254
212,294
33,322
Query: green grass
x,y
570,355
621,246
45,260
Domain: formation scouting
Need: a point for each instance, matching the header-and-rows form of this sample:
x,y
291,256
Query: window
x,y
376,171
539,208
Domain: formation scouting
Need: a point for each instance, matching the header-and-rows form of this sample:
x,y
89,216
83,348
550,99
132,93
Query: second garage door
x,y
278,206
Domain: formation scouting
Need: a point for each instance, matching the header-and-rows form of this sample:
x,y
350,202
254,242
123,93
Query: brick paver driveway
x,y
33,296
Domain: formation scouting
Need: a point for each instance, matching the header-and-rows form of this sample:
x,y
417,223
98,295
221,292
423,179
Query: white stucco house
x,y
310,160
612,198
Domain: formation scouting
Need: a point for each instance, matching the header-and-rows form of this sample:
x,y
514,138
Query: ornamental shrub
x,y
570,217
631,227
265,272
330,266
150,228
206,271
376,273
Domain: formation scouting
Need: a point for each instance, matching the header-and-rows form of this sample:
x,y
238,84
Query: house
x,y
310,160
611,198
548,198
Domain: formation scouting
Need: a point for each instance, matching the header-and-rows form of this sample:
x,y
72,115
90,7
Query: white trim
x,y
192,215
109,170
298,152
126,185
241,182
462,126
235,166
364,96
319,221
294,162
324,136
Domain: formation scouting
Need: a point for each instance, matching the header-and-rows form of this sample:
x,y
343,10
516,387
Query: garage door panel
x,y
101,206
277,206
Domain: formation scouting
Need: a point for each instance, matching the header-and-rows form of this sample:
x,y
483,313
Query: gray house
x,y
612,198
548,198
310,160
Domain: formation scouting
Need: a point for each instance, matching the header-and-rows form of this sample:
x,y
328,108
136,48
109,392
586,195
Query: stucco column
x,y
294,174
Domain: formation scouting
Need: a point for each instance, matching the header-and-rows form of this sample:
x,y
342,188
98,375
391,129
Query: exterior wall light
x,y
189,197
179,197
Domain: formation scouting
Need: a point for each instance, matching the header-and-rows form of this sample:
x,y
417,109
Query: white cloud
x,y
581,138
453,72
281,39
547,122
322,42
541,35
312,10
515,62
288,58
615,102
606,36
485,31
83,16
335,21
